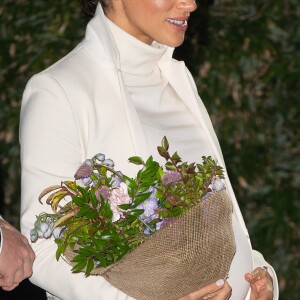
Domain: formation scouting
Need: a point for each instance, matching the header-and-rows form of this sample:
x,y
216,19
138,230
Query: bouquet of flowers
x,y
161,235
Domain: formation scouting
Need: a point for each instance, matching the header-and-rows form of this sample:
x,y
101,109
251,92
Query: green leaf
x,y
94,199
139,198
136,212
78,200
130,182
89,267
165,143
84,193
60,250
99,243
176,158
170,167
93,214
85,210
79,266
136,160
125,206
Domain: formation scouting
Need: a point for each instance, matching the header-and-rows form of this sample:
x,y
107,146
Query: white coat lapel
x,y
100,27
178,77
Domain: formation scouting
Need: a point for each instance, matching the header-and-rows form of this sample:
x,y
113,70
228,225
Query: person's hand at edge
x,y
16,257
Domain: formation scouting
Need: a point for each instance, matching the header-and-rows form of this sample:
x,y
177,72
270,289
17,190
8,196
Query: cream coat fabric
x,y
69,112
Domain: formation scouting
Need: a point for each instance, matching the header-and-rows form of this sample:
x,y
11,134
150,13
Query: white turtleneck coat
x,y
115,95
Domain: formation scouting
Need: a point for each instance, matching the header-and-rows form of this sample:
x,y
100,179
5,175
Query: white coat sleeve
x,y
51,151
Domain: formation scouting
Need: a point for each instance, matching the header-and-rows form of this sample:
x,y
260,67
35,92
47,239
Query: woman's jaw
x,y
163,21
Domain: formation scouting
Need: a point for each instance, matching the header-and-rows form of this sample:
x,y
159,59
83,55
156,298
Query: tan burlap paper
x,y
191,252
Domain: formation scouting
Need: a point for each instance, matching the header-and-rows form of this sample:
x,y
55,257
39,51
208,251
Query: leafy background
x,y
245,58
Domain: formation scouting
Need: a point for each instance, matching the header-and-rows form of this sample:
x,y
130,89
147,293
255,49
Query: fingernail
x,y
220,282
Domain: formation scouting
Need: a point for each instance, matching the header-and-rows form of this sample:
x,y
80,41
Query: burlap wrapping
x,y
188,254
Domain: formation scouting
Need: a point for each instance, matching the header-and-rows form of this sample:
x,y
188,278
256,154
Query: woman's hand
x,y
261,284
219,290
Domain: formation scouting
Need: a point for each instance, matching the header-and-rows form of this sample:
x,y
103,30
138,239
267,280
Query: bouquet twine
x,y
191,252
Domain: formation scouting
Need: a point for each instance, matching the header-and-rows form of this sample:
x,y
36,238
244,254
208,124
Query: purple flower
x,y
103,191
116,180
171,178
86,181
149,207
85,170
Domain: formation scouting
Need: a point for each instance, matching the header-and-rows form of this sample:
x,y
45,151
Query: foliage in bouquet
x,y
109,214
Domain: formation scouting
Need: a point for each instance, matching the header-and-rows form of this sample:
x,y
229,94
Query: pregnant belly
x,y
241,263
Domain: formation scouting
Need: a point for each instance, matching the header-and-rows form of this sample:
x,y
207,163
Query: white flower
x,y
57,232
34,235
218,185
119,196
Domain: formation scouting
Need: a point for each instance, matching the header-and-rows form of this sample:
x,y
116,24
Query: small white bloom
x,y
218,185
100,157
109,162
57,232
33,235
44,226
45,229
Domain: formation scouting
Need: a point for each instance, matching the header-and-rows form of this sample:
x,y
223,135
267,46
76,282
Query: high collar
x,y
136,57
108,51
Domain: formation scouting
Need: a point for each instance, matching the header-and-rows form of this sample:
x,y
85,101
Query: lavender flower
x,y
102,191
116,180
171,178
85,170
86,181
149,207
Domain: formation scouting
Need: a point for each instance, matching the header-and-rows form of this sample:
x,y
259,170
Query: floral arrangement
x,y
103,214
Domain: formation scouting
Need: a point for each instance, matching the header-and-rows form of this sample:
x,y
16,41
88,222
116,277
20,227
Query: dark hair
x,y
89,7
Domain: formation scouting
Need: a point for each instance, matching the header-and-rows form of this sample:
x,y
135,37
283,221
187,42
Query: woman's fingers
x,y
258,274
219,290
261,284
